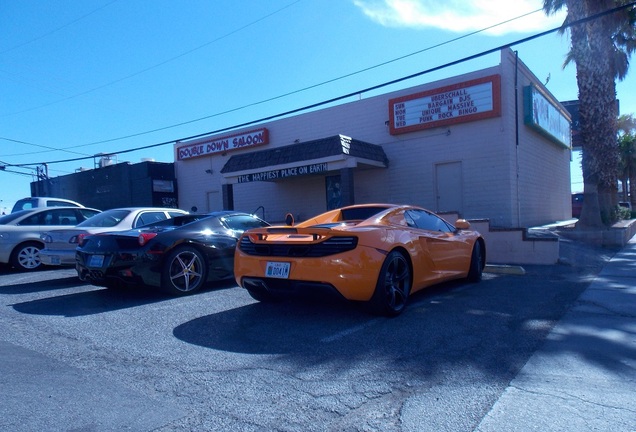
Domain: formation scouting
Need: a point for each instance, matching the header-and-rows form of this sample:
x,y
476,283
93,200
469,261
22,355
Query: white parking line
x,y
347,332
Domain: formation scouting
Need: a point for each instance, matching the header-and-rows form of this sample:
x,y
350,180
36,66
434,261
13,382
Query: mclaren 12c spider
x,y
374,253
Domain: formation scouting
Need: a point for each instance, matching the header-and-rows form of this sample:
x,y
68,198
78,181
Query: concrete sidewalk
x,y
584,377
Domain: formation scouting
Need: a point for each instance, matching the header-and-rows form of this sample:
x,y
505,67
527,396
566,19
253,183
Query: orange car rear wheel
x,y
393,287
476,263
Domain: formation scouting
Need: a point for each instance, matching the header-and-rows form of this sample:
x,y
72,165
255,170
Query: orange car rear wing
x,y
290,234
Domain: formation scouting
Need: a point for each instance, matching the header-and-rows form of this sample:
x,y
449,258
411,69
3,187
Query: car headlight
x,y
46,238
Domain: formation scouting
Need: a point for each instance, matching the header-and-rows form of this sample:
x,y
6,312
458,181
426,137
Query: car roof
x,y
42,209
20,215
42,202
148,208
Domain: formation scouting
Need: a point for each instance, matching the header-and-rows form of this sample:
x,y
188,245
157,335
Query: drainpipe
x,y
517,136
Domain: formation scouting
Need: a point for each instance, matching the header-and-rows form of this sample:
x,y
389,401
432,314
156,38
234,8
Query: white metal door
x,y
448,183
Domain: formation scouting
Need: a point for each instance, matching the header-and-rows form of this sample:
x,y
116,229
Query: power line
x,y
41,146
295,91
346,96
315,85
3,168
171,59
55,30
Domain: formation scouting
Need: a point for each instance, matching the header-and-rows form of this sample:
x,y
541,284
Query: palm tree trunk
x,y
632,189
597,109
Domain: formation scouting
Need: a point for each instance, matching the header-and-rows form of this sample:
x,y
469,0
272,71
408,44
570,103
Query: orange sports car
x,y
376,253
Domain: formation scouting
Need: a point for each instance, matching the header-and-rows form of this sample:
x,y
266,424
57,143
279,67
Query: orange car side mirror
x,y
462,224
289,219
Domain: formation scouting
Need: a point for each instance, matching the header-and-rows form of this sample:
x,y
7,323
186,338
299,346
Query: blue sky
x,y
83,77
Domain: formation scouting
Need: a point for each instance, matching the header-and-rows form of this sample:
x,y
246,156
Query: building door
x,y
448,183
215,201
334,194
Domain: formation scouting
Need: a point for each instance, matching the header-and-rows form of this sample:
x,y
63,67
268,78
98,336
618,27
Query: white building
x,y
493,144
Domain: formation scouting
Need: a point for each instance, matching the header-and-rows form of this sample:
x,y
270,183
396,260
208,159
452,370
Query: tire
x,y
185,271
26,256
393,287
476,263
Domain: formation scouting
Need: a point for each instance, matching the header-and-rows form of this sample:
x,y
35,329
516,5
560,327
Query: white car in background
x,y
60,244
37,202
20,232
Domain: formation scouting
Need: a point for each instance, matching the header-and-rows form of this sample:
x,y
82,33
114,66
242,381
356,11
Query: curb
x,y
504,269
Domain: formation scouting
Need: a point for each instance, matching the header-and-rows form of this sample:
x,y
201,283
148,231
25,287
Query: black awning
x,y
306,153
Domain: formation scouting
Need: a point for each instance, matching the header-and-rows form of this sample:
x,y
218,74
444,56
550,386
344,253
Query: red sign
x,y
466,101
208,146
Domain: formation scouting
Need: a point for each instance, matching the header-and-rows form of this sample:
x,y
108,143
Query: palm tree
x,y
627,146
601,49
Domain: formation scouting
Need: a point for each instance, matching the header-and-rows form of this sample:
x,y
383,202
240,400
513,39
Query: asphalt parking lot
x,y
78,357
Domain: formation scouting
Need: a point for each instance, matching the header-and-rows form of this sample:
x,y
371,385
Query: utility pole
x,y
42,174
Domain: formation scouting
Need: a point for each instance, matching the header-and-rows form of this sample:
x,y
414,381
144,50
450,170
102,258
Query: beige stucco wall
x,y
511,185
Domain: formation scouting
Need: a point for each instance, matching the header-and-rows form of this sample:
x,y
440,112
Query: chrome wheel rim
x,y
29,257
186,271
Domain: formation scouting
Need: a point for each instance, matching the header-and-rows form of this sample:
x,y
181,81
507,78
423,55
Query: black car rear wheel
x,y
185,271
393,287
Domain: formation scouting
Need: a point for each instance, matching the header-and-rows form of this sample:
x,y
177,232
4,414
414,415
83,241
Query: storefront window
x,y
334,197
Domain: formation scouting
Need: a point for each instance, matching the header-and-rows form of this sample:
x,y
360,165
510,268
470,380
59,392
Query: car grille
x,y
331,246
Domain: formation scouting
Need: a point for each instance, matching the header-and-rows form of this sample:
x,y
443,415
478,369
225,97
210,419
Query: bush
x,y
617,213
623,213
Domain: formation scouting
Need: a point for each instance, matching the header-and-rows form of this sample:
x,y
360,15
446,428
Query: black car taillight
x,y
145,238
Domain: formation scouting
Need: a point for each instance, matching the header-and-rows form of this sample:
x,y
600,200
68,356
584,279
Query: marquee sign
x,y
544,116
209,146
466,101
278,174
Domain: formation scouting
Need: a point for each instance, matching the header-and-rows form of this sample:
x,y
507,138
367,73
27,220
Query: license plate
x,y
96,261
55,260
277,270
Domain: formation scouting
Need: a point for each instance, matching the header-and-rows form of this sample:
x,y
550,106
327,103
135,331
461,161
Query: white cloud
x,y
461,16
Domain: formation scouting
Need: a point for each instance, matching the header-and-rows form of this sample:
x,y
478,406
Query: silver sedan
x,y
20,232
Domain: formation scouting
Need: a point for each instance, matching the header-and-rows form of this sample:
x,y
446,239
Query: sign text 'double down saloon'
x,y
205,147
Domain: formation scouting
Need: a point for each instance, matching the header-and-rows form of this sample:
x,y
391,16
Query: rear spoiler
x,y
262,233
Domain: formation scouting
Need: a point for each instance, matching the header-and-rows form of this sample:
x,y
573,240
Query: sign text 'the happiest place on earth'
x,y
466,101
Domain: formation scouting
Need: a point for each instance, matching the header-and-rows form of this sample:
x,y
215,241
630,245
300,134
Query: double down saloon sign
x,y
466,101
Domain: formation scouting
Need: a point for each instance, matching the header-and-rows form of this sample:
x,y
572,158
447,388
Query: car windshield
x,y
243,222
109,218
25,204
360,213
177,220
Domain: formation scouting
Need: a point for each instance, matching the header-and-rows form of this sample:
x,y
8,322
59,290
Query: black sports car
x,y
178,255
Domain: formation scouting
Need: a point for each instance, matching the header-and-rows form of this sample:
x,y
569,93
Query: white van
x,y
35,202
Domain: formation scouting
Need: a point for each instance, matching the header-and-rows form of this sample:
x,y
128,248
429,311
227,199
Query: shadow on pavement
x,y
100,300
